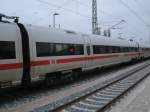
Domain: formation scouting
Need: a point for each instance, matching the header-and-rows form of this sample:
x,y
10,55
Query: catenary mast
x,y
95,29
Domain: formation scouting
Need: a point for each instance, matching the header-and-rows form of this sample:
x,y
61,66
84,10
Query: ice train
x,y
29,53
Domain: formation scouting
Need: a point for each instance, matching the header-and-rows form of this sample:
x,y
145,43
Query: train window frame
x,y
62,49
8,50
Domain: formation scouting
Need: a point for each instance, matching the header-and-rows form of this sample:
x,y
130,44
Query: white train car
x,y
144,51
10,53
29,53
53,50
112,51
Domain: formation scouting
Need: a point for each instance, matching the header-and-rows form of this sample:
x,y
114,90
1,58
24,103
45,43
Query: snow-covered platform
x,y
138,100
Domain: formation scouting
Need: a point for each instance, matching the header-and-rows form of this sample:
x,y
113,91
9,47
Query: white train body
x,y
30,52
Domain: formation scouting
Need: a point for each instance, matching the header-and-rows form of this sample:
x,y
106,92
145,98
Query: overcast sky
x,y
76,15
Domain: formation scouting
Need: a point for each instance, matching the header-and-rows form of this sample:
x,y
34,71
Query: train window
x,y
115,49
88,50
96,49
69,49
136,49
121,49
99,49
110,49
44,49
58,49
79,50
7,50
130,49
106,49
103,49
125,49
118,49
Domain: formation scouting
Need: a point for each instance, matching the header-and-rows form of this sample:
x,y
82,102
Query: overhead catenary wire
x,y
104,12
100,23
133,12
74,12
142,7
69,10
65,9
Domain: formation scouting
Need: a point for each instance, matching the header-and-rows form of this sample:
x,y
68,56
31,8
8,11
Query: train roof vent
x,y
70,32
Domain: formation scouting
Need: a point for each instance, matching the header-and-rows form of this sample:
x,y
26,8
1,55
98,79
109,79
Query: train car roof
x,y
63,36
45,34
101,40
144,46
8,31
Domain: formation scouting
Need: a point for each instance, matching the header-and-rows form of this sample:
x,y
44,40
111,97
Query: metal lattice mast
x,y
94,17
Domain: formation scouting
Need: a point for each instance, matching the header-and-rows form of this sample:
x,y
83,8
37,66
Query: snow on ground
x,y
51,97
138,100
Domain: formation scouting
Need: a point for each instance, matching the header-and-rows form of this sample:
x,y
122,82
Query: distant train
x,y
29,53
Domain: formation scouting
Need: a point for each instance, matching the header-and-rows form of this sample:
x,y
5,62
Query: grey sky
x,y
76,15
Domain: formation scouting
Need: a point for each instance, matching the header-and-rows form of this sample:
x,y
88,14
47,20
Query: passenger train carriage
x,y
29,53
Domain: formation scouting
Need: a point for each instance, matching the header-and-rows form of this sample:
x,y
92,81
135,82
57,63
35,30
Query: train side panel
x,y
102,58
41,65
10,53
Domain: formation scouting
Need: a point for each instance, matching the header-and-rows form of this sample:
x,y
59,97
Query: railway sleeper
x,y
87,106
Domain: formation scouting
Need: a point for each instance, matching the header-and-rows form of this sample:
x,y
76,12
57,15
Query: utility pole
x,y
95,29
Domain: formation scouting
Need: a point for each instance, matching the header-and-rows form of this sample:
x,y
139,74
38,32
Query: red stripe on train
x,y
20,65
11,66
40,63
60,61
132,54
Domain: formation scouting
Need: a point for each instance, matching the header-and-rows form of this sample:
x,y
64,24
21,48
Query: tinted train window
x,y
88,50
44,49
69,49
98,49
7,50
79,50
58,49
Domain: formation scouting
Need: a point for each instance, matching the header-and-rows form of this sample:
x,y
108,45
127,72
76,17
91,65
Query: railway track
x,y
101,96
26,100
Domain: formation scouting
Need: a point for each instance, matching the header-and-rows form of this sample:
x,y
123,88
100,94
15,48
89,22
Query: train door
x,y
88,52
